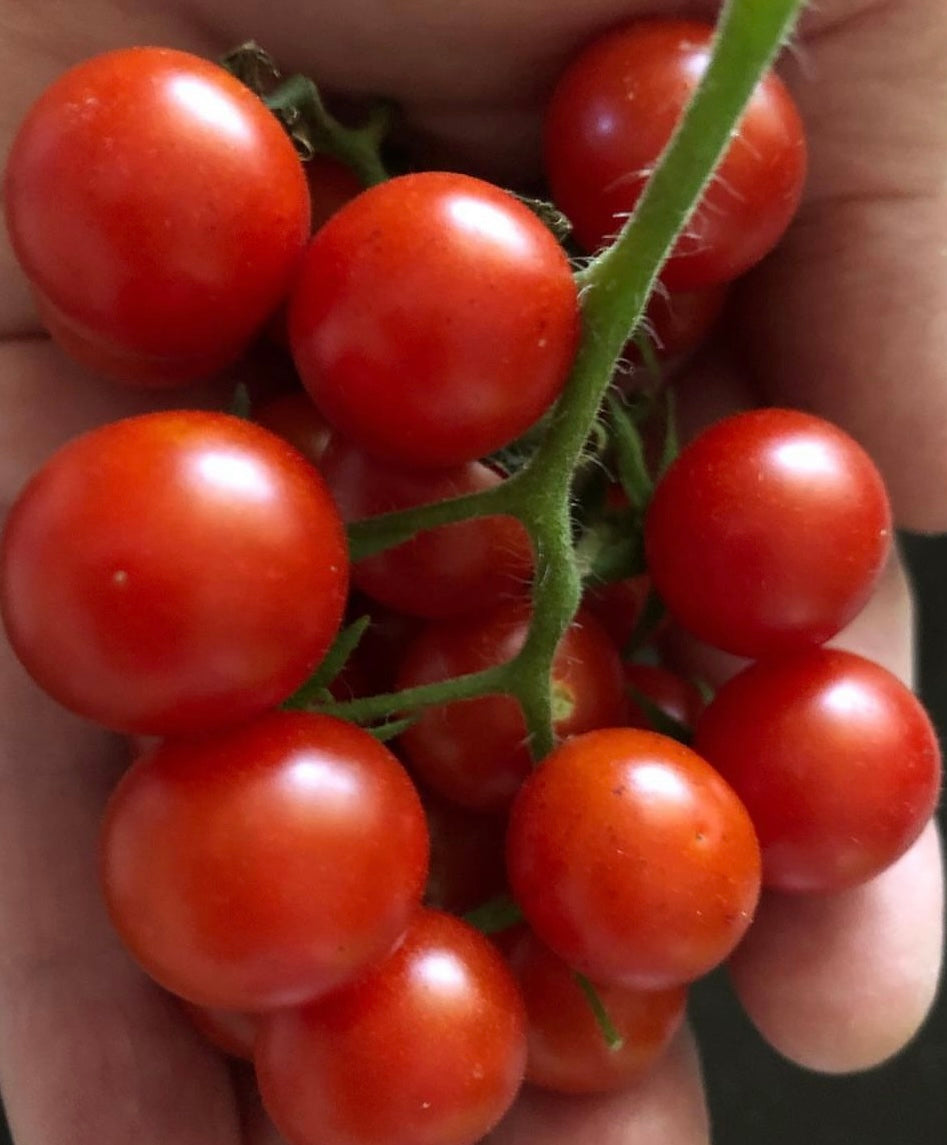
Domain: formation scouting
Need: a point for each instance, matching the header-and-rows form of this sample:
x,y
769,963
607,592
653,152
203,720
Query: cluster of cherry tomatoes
x,y
181,575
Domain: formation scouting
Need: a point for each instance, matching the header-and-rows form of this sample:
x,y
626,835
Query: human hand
x,y
89,1050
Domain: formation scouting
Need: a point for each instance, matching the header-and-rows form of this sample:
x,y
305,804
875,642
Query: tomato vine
x,y
614,289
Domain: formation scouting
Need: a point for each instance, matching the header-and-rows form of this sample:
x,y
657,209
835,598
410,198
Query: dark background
x,y
756,1098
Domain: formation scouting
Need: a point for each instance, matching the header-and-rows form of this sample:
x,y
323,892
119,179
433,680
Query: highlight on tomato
x,y
173,572
264,865
160,268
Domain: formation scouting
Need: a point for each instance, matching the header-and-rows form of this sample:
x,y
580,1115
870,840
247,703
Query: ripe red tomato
x,y
159,210
439,573
427,1049
679,323
172,572
567,1051
632,859
295,419
434,319
768,532
674,695
476,752
610,118
835,759
264,865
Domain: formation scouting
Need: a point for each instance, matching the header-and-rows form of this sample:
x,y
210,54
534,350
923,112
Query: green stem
x,y
364,709
375,534
609,1031
495,916
614,290
298,102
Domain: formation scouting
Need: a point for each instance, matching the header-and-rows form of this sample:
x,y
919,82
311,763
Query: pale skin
x,y
848,319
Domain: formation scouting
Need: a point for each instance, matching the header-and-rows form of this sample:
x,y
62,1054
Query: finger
x,y
849,317
837,982
90,1053
665,1108
842,982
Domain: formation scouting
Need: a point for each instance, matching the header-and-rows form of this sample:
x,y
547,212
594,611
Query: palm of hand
x,y
89,1052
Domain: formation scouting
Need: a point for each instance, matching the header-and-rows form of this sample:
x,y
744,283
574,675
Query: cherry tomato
x,y
835,759
264,865
295,419
619,606
427,1049
159,211
434,319
677,324
567,1051
768,532
676,697
172,572
439,573
476,752
610,118
331,186
632,859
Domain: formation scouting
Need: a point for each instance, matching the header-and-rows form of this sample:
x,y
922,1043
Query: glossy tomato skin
x,y
455,569
835,759
159,211
768,532
427,1049
434,319
609,119
476,752
567,1050
632,859
264,865
173,572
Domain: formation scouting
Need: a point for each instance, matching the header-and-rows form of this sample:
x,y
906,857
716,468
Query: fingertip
x,y
840,983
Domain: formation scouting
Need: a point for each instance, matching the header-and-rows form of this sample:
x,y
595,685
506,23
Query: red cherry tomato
x,y
295,419
159,211
427,1049
567,1050
632,859
434,319
173,572
677,324
619,606
768,532
672,694
610,118
264,865
331,186
835,759
476,752
439,573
